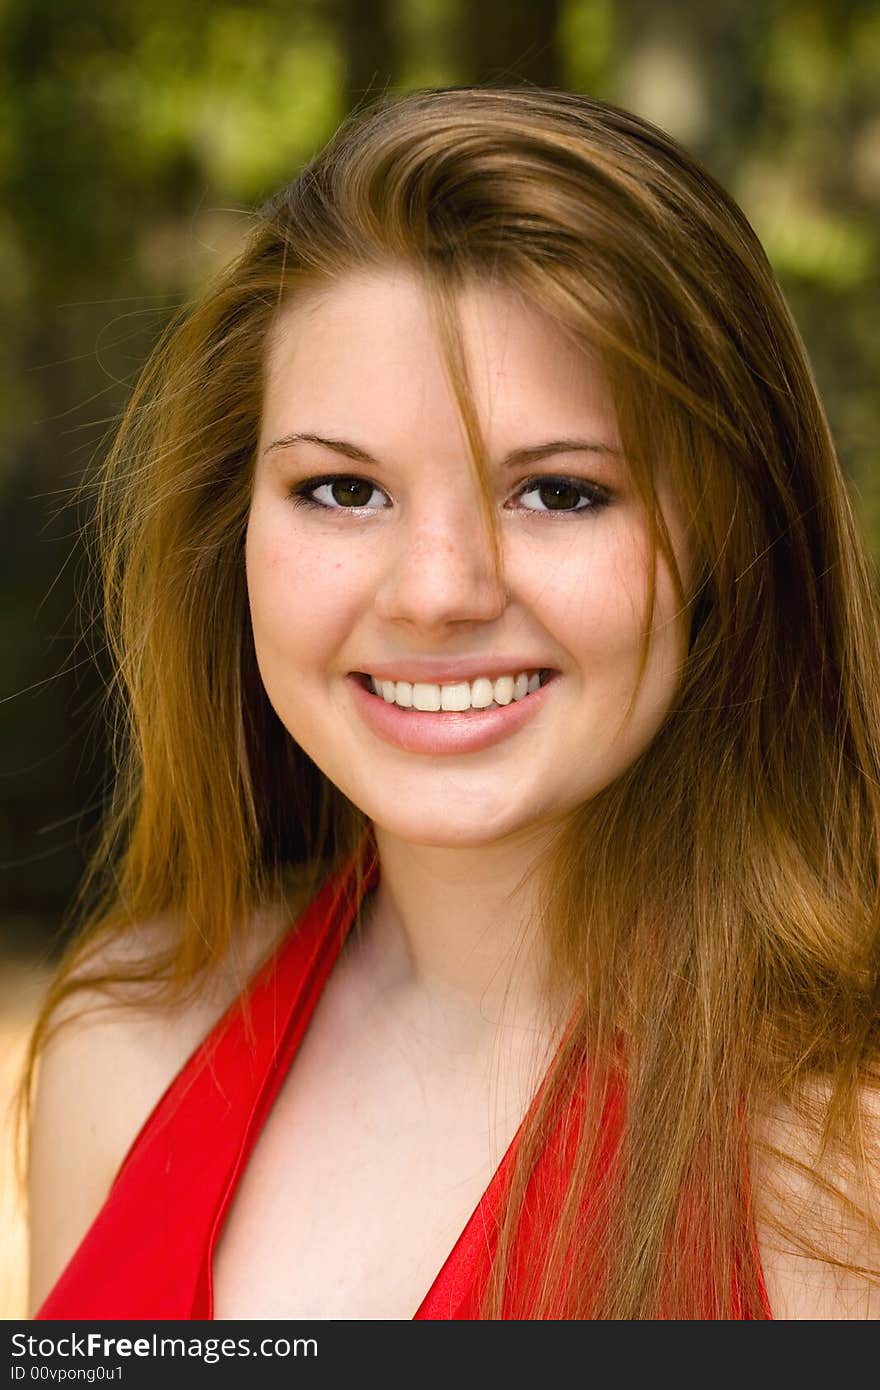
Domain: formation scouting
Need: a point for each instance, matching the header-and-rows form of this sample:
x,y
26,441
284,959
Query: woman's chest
x,y
363,1177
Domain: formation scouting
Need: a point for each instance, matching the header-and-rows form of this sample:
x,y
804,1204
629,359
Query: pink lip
x,y
420,731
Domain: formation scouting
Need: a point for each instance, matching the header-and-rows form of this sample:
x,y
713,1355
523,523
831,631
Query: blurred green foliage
x,y
135,137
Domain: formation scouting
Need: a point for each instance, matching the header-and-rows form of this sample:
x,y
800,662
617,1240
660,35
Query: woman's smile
x,y
429,726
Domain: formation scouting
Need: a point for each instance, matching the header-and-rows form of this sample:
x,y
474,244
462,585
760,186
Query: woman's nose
x,y
440,570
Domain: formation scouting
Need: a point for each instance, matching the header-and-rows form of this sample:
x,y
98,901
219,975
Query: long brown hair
x,y
717,905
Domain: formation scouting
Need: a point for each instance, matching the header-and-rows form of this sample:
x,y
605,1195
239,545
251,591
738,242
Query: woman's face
x,y
389,571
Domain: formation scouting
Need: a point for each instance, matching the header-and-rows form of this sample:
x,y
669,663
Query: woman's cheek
x,y
303,599
595,607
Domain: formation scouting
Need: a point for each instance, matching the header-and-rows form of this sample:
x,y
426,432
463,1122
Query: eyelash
x,y
598,497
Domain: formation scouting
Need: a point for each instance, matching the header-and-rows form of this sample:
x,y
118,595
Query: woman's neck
x,y
451,938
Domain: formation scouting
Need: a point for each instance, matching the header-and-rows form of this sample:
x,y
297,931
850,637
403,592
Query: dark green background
x,y
136,134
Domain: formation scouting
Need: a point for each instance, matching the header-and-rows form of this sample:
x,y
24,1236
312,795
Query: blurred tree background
x,y
135,137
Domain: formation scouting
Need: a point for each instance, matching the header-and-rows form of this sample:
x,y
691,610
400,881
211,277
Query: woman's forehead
x,y
369,341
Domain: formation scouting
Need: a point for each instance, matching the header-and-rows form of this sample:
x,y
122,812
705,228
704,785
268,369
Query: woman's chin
x,y
479,830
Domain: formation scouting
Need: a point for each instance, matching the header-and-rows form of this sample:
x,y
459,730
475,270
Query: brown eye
x,y
564,495
351,492
341,493
558,496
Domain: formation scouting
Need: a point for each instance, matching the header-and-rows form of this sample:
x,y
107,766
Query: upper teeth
x,y
478,694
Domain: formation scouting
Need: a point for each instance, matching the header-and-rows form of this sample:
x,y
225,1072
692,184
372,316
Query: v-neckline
x,y
477,1230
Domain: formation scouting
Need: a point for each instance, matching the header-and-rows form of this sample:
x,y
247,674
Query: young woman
x,y
488,922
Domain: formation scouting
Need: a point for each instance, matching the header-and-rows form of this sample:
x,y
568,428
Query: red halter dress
x,y
149,1252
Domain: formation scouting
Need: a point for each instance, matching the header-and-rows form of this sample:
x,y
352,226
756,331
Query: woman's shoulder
x,y
817,1213
110,1056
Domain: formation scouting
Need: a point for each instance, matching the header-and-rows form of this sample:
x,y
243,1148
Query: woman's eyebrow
x,y
339,446
533,453
530,453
